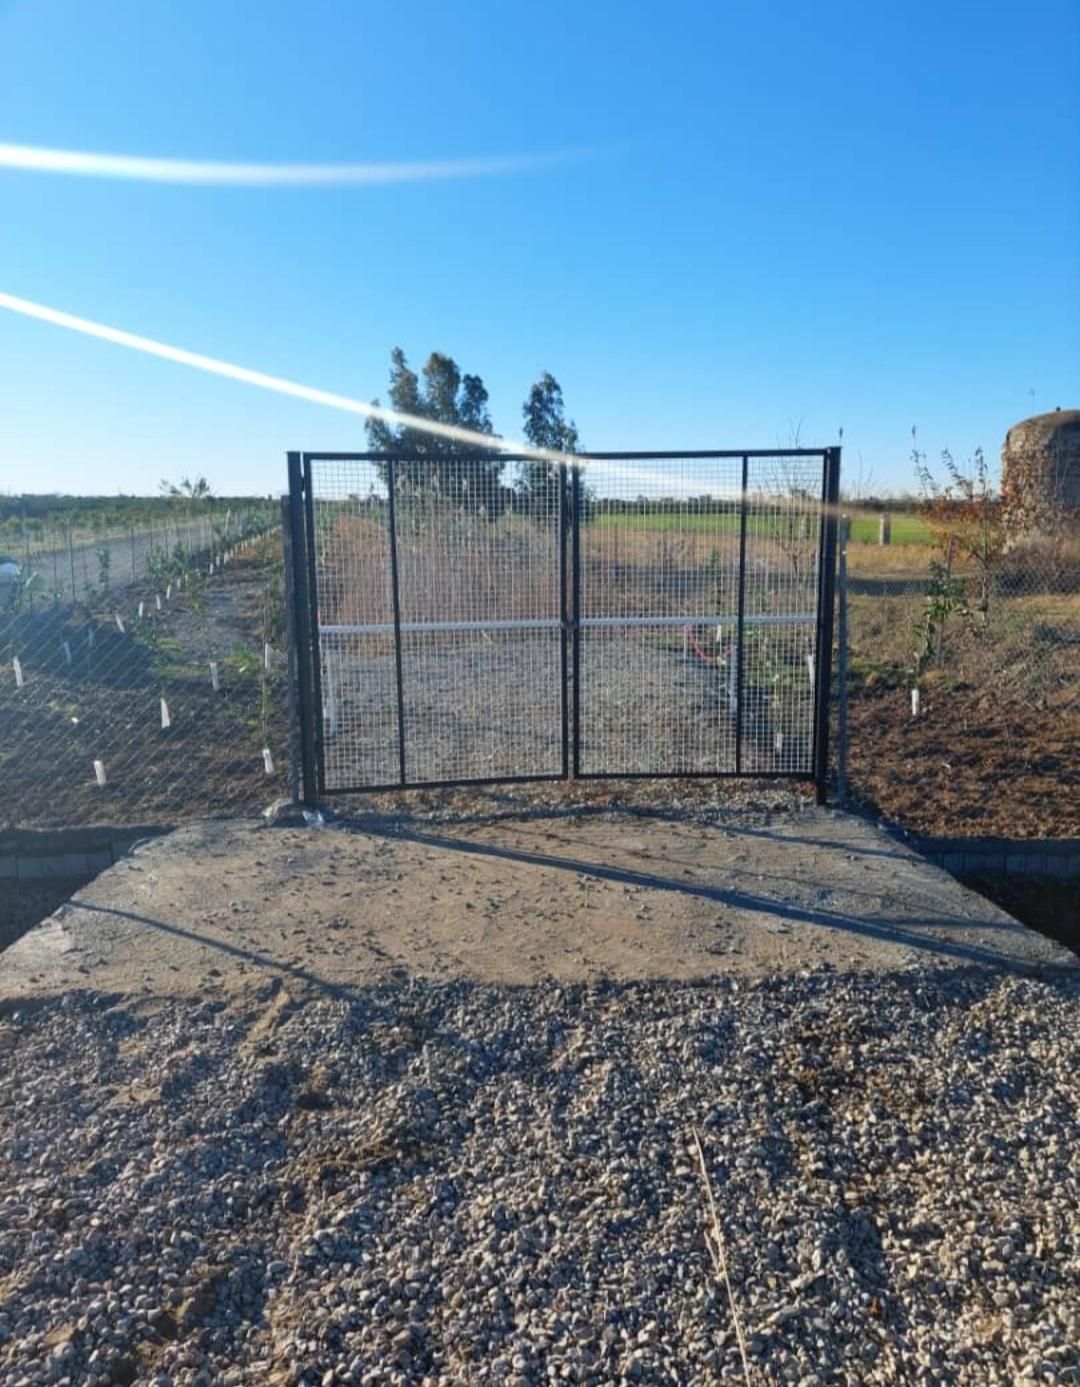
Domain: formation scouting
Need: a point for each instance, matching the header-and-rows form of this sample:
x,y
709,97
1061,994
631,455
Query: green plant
x,y
944,598
966,514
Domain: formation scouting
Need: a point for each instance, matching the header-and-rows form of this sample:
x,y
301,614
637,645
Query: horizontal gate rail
x,y
495,451
387,628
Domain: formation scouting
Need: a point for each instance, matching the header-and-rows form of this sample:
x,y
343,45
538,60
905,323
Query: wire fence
x,y
144,673
143,679
963,675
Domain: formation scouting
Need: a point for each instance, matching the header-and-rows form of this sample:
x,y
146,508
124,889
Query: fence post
x,y
292,663
575,615
739,661
306,690
564,618
830,495
395,593
842,670
884,528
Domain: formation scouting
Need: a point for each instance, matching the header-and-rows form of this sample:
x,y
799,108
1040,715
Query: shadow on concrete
x,y
262,960
904,931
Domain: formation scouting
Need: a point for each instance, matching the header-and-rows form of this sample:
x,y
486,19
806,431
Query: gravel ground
x,y
491,706
459,1183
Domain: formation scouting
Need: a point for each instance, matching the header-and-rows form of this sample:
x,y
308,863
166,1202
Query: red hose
x,y
695,645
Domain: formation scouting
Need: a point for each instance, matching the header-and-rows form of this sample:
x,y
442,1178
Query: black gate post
x,y
830,500
739,661
395,592
308,705
292,675
564,620
575,612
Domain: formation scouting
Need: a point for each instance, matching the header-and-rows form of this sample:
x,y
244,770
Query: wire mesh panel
x,y
153,700
439,590
780,606
696,594
486,617
354,603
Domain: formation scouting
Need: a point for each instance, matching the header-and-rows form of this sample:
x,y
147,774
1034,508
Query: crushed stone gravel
x,y
460,1183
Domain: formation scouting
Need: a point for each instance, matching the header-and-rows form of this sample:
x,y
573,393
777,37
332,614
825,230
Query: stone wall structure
x,y
1040,474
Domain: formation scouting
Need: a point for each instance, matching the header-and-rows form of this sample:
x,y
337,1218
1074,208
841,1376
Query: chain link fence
x,y
143,674
963,673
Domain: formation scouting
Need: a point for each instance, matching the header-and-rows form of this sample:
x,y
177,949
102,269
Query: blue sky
x,y
851,215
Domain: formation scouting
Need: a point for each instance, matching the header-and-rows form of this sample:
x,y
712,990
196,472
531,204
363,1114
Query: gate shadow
x,y
904,930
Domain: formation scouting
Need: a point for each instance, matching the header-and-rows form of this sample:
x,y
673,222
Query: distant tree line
x,y
60,509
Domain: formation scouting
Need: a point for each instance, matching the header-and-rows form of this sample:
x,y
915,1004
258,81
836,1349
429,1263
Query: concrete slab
x,y
576,897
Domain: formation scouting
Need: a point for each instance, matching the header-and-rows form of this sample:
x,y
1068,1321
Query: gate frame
x,y
302,596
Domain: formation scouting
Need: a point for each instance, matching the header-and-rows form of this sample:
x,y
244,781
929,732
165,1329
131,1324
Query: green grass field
x,y
906,529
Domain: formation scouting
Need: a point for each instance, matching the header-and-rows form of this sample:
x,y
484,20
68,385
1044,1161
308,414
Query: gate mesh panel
x,y
692,606
480,621
664,553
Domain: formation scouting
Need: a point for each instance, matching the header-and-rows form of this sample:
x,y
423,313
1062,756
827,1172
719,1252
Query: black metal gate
x,y
480,618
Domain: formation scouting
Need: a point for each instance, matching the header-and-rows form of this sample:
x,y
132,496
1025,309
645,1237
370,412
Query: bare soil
x,y
105,704
967,766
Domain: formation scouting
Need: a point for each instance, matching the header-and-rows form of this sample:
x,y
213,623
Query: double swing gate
x,y
461,619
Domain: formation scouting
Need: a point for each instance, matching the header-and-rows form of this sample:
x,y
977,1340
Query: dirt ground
x,y
966,767
575,898
105,705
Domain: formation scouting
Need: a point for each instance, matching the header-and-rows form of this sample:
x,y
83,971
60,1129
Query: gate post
x,y
564,618
307,701
395,594
739,661
830,499
575,614
292,654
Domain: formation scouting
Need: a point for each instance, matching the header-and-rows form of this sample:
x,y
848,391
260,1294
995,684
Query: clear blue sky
x,y
864,215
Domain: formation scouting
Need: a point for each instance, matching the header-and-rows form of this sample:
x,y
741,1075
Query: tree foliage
x,y
546,426
197,490
965,514
445,467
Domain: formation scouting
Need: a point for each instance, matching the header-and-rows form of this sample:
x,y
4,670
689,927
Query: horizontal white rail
x,y
410,628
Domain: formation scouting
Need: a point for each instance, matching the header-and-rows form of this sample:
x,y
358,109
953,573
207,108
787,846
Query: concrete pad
x,y
576,897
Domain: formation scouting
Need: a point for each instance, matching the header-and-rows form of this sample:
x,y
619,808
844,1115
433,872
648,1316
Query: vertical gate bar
x,y
830,498
395,592
311,578
742,618
292,674
842,663
575,612
307,708
564,624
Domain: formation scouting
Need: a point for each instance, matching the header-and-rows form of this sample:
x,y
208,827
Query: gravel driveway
x,y
420,1108
460,1183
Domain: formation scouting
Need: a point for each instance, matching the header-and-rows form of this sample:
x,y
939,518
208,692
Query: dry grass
x,y
714,1240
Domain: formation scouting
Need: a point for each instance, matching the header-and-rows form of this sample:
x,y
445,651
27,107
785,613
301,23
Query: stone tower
x,y
1040,474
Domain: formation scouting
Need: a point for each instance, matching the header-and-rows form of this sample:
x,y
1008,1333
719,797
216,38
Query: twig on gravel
x,y
716,1249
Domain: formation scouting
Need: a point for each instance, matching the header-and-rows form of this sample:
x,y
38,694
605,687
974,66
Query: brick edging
x,y
1039,857
34,854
